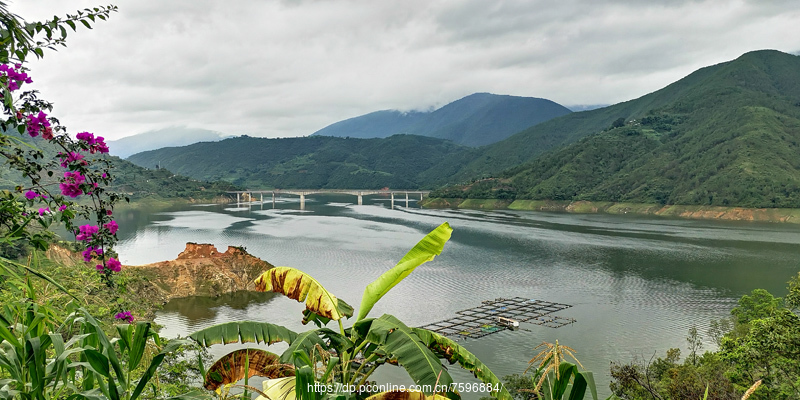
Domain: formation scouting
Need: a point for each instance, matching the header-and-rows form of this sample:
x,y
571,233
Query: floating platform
x,y
493,315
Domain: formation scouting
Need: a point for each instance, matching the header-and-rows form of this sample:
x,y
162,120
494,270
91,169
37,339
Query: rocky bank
x,y
200,270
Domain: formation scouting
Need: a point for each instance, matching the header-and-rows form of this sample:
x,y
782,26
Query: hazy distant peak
x,y
159,138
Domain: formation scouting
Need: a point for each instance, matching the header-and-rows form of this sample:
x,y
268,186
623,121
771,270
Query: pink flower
x,y
30,195
70,186
113,264
38,123
71,157
62,207
86,232
125,316
112,227
87,254
42,211
108,212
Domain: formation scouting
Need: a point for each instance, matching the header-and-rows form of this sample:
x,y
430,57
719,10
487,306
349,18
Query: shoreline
x,y
785,215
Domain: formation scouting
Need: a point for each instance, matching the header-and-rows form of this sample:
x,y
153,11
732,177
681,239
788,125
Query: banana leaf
x,y
429,247
245,332
320,321
231,367
404,395
279,389
403,345
453,352
298,285
304,342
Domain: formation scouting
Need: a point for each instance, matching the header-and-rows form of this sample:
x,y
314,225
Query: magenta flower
x,y
30,195
86,232
114,265
62,207
90,252
42,211
70,186
96,144
71,157
125,316
99,267
87,254
38,123
15,77
112,227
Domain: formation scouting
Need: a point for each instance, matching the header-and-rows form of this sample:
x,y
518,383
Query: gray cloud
x,y
288,68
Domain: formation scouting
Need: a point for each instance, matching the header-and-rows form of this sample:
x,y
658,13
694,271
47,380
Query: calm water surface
x,y
636,284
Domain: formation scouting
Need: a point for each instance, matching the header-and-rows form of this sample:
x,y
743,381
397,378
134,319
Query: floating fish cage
x,y
500,314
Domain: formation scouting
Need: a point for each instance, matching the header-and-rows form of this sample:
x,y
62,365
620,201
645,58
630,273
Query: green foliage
x,y
762,344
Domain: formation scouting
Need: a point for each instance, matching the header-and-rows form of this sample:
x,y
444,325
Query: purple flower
x,y
44,210
37,123
15,77
96,144
86,232
62,207
90,252
112,227
30,195
125,316
113,264
70,186
71,157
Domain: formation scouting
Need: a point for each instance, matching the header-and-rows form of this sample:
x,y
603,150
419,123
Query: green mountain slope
x,y
475,120
725,135
310,162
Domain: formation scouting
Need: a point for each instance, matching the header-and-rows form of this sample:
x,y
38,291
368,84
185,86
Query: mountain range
x,y
475,120
727,134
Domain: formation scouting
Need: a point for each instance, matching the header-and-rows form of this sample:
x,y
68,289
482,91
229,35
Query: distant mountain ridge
x,y
156,139
475,120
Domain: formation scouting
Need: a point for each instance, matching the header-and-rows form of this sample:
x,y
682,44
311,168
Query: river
x,y
636,284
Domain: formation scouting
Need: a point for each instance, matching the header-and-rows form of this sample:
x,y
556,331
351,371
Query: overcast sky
x,y
289,68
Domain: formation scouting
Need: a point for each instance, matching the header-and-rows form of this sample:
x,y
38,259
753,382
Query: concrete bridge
x,y
249,194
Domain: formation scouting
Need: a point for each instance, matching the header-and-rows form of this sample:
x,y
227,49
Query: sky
x,y
289,68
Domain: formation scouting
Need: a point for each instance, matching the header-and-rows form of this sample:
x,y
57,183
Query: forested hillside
x,y
725,135
311,162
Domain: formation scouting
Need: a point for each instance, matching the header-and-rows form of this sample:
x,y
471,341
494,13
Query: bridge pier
x,y
237,199
302,202
420,196
392,201
273,199
406,199
360,199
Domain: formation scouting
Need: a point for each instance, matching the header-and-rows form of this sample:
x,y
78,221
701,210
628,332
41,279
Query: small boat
x,y
508,323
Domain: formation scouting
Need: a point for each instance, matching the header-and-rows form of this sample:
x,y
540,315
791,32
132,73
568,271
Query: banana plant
x,y
345,359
